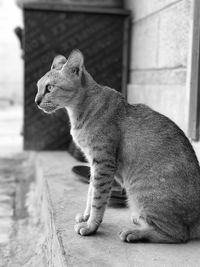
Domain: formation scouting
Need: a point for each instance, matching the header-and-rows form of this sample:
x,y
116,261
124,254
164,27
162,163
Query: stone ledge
x,y
64,196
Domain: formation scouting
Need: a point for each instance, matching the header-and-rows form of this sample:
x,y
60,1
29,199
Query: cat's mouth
x,y
48,107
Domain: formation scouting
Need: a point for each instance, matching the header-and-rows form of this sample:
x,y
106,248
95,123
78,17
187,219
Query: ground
x,y
21,234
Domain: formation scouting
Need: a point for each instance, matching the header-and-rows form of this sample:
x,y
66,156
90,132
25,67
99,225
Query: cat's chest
x,y
81,140
80,137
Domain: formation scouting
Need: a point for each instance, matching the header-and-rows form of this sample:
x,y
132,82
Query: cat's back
x,y
149,137
152,143
151,130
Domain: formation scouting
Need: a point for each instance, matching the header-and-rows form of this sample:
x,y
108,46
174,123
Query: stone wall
x,y
159,54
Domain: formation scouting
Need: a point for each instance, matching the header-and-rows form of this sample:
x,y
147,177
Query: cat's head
x,y
62,85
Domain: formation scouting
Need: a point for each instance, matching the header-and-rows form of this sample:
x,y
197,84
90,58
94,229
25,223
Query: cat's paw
x,y
81,217
85,228
130,235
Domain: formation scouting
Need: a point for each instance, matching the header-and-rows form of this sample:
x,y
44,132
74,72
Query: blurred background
x,y
155,47
147,50
11,78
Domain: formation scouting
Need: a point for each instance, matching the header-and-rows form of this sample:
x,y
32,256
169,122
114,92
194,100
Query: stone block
x,y
4,238
170,100
144,8
7,189
5,198
174,32
159,76
6,210
144,44
6,223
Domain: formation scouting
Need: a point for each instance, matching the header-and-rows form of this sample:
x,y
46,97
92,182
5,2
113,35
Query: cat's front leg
x,y
85,216
101,184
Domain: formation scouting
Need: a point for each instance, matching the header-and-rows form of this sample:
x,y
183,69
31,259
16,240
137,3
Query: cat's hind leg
x,y
137,234
145,228
141,231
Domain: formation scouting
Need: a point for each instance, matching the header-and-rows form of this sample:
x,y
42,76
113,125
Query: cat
x,y
145,151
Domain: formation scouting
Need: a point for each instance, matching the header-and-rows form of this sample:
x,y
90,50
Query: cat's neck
x,y
89,93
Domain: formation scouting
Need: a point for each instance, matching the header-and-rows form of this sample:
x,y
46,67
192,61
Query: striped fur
x,y
144,150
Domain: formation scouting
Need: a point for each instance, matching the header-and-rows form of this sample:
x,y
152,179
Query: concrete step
x,y
63,196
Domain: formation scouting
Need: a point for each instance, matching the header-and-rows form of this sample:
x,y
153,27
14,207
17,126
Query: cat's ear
x,y
58,62
74,63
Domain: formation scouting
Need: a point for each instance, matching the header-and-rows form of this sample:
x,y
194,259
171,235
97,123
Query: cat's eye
x,y
75,70
48,88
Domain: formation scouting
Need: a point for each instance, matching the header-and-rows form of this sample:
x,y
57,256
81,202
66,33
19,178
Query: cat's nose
x,y
38,100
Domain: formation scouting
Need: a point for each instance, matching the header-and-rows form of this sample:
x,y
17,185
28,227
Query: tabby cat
x,y
144,150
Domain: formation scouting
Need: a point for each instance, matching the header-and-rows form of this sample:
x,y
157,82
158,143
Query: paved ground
x,y
21,234
10,142
10,129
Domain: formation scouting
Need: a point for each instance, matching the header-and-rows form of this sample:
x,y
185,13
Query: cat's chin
x,y
48,109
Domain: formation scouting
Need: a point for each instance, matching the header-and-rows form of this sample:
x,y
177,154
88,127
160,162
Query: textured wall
x,y
144,8
159,52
